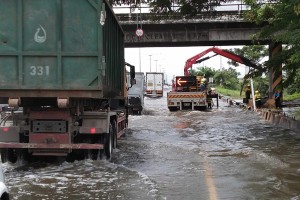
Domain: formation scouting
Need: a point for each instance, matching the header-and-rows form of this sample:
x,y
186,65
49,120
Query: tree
x,y
207,72
283,26
255,53
227,78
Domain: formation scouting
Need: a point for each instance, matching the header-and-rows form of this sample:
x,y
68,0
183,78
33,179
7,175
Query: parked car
x,y
4,195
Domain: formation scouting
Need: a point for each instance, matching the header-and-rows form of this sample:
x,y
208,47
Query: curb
x,y
279,118
275,117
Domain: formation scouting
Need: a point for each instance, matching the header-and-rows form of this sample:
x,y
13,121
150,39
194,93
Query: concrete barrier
x,y
280,119
275,117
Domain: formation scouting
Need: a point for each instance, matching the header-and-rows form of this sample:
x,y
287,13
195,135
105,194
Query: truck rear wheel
x,y
9,155
114,131
3,155
92,154
200,108
108,147
172,109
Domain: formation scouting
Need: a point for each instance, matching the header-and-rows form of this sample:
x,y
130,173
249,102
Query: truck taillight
x,y
170,103
93,130
5,129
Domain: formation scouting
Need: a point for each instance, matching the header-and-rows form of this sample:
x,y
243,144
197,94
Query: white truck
x,y
154,84
136,94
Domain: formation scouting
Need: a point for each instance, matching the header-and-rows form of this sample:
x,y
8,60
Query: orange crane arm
x,y
240,59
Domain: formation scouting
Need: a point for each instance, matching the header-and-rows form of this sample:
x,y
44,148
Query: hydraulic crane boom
x,y
237,58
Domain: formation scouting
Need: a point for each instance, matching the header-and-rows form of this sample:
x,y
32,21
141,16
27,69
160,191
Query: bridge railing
x,y
132,14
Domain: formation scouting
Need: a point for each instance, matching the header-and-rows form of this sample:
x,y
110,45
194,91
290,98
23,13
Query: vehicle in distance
x,y
154,84
136,94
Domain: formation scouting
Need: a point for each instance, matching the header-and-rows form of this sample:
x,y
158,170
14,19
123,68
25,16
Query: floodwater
x,y
224,153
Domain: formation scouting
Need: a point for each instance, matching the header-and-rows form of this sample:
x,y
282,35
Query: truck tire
x,y
71,157
3,155
172,109
90,153
93,154
114,129
200,108
135,112
108,147
9,155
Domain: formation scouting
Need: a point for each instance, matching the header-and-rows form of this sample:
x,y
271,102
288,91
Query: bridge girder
x,y
191,34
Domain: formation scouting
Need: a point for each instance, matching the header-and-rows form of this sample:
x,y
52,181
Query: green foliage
x,y
291,97
262,85
207,72
236,94
293,86
283,25
227,78
254,53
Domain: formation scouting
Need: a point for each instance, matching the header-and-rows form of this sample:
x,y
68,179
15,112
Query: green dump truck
x,y
63,78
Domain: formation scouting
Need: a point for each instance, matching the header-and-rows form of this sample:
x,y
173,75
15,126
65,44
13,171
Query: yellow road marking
x,y
213,195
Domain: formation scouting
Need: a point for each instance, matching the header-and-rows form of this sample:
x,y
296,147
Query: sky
x,y
171,60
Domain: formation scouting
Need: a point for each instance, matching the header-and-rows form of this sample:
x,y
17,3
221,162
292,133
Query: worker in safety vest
x,y
247,92
202,85
257,99
209,100
277,96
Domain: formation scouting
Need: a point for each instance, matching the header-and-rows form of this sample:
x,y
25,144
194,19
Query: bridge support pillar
x,y
275,73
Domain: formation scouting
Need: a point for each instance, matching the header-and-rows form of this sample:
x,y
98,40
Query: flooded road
x,y
223,153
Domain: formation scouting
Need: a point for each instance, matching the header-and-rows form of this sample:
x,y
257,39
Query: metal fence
x,y
142,14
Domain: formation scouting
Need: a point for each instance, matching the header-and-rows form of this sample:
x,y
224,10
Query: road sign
x,y
139,32
185,81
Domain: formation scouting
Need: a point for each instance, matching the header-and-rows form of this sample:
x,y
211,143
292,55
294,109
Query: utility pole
x,y
140,61
150,62
155,65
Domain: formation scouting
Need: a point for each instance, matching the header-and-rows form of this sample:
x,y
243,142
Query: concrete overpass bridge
x,y
215,28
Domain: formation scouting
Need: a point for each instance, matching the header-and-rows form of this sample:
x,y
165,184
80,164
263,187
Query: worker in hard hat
x,y
277,97
247,92
209,99
202,85
257,97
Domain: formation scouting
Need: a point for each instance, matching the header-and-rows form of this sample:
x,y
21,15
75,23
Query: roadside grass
x,y
291,97
236,94
231,93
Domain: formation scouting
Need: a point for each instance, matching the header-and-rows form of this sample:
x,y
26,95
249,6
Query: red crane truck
x,y
186,91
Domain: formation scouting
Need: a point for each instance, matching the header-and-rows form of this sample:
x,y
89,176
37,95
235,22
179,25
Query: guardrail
x,y
160,18
133,14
